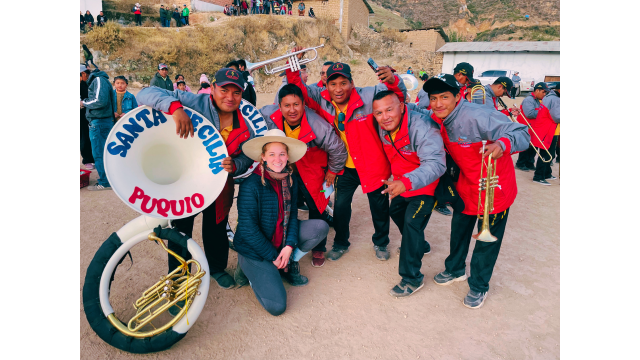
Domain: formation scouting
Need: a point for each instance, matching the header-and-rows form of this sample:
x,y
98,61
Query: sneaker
x,y
317,258
443,209
175,309
445,278
239,277
522,168
224,280
381,252
427,248
542,182
89,166
474,299
405,289
552,178
336,253
293,276
98,187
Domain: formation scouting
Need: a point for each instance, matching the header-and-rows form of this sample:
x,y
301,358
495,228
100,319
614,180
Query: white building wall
x,y
205,6
94,7
530,64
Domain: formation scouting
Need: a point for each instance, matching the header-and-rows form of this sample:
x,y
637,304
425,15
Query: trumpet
x,y
294,63
475,90
530,129
488,184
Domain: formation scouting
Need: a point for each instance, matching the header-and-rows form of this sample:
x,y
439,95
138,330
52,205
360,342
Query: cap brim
x,y
253,147
227,83
436,83
339,73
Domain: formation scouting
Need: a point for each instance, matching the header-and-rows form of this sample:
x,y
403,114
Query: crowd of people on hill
x,y
273,7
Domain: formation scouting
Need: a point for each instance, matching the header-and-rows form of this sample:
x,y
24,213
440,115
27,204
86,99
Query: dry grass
x,y
205,49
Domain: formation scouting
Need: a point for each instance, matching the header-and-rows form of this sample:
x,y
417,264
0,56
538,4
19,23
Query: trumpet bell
x,y
157,173
485,235
410,81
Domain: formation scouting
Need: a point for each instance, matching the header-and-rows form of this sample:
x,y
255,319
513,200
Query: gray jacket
x,y
488,99
423,99
158,81
530,106
99,103
426,142
161,100
516,79
552,102
326,138
474,123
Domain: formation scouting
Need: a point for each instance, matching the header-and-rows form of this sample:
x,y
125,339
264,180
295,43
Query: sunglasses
x,y
341,121
322,72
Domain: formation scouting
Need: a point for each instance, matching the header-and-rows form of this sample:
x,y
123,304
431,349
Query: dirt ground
x,y
345,311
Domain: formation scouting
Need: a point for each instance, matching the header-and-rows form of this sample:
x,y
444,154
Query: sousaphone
x,y
163,177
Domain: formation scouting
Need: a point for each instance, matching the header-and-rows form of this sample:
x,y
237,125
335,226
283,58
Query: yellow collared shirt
x,y
343,136
225,132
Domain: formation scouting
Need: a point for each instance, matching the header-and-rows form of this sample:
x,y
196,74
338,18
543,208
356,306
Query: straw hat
x,y
253,147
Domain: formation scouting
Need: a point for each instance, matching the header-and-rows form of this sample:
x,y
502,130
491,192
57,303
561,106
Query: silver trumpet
x,y
294,63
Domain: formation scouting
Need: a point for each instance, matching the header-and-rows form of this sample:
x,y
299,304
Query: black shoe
x,y
175,309
239,277
336,253
551,178
446,278
381,252
224,280
443,209
542,182
293,276
474,299
405,289
427,248
522,168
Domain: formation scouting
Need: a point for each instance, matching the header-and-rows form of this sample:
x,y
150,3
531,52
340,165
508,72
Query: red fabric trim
x,y
174,106
507,145
407,183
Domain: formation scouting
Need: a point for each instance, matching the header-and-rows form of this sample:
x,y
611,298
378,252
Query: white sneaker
x,y
98,187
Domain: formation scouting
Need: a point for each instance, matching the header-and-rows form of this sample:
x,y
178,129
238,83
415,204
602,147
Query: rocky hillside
x,y
466,19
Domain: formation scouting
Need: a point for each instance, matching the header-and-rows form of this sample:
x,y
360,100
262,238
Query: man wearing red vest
x,y
463,128
501,86
325,155
414,148
544,126
221,107
348,108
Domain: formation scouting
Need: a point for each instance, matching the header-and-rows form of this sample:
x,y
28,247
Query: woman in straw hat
x,y
269,238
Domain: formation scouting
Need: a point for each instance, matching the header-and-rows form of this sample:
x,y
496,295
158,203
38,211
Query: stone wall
x,y
424,40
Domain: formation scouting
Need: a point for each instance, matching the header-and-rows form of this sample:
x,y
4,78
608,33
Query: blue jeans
x,y
183,21
98,132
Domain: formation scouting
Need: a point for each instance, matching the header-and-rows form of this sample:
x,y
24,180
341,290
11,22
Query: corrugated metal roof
x,y
501,46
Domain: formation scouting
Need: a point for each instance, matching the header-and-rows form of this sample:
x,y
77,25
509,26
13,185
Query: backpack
x,y
133,9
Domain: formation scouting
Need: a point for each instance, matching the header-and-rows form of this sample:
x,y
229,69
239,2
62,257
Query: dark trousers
x,y
543,169
138,19
214,239
526,158
484,255
556,138
411,215
346,185
513,92
85,140
313,210
186,19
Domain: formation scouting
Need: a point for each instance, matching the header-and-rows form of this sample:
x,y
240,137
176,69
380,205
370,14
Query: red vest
x,y
543,125
403,162
313,165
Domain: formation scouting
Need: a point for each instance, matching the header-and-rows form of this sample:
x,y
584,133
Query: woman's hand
x,y
283,259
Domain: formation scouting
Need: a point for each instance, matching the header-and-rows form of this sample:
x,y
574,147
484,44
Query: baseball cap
x,y
440,83
506,82
83,68
303,66
226,76
465,69
162,66
542,86
339,69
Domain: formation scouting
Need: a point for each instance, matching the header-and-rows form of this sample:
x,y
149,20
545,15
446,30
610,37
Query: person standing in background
x,y
185,15
176,17
205,85
178,78
163,16
85,141
516,84
137,11
88,57
161,78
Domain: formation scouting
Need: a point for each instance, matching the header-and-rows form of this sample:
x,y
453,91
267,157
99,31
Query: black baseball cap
x,y
441,83
162,66
339,69
465,69
506,82
226,76
303,66
542,86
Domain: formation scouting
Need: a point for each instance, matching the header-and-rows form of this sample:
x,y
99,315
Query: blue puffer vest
x,y
257,218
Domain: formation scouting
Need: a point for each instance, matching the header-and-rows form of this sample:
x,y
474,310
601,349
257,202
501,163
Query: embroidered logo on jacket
x,y
463,142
